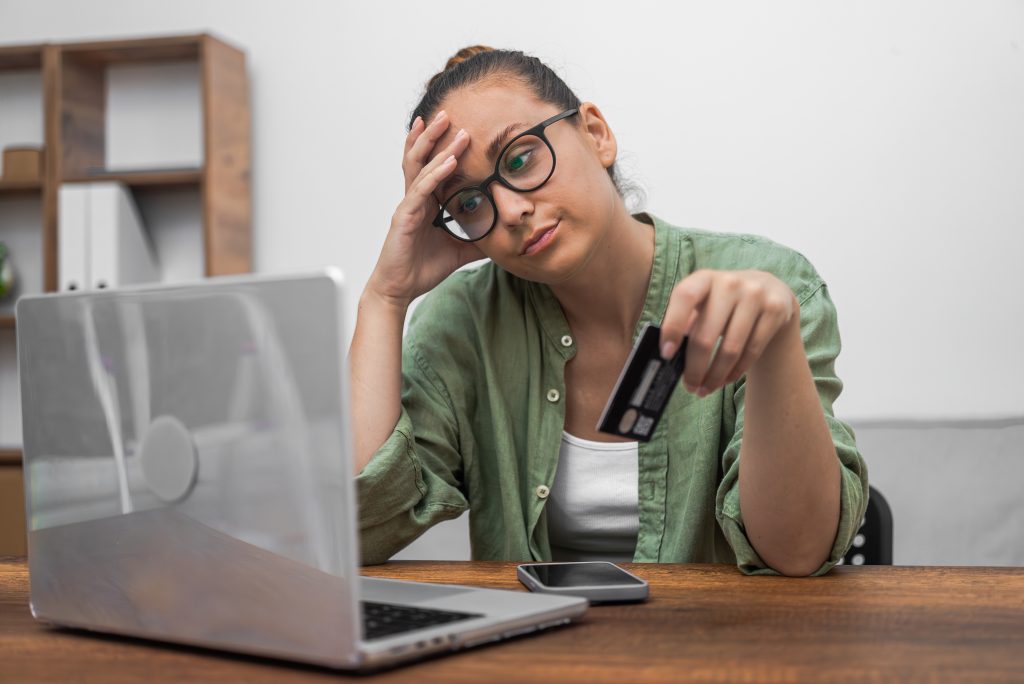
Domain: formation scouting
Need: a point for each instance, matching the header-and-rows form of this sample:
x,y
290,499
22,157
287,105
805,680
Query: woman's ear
x,y
598,133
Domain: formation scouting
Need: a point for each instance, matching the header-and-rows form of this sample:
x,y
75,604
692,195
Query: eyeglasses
x,y
525,164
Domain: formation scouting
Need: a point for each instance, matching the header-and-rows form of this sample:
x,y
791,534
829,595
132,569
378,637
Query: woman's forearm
x,y
789,472
375,372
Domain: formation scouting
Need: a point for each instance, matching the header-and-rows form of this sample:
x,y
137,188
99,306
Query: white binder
x,y
72,238
102,240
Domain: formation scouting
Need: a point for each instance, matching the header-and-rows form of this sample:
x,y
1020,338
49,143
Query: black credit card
x,y
643,389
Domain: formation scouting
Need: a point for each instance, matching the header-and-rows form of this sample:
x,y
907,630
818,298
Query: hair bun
x,y
464,54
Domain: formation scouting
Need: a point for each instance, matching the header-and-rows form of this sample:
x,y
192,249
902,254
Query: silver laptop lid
x,y
187,470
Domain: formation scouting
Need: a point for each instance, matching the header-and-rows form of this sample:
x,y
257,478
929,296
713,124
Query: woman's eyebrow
x,y
499,141
492,151
453,180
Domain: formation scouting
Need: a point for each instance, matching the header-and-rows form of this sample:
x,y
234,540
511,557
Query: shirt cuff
x,y
393,479
853,503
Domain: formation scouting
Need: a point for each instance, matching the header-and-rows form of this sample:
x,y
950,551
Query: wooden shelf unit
x,y
79,115
74,85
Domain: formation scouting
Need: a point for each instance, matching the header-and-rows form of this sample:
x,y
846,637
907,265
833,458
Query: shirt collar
x,y
664,272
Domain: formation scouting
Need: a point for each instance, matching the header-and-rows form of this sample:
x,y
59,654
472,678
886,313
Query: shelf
x,y
143,178
21,57
20,187
161,49
10,456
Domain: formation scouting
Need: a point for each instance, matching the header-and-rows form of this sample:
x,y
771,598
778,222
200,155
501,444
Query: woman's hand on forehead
x,y
416,256
422,145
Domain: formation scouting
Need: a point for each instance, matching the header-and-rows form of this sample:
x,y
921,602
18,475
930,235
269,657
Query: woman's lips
x,y
541,242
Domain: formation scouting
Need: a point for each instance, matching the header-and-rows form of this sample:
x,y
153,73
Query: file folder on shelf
x,y
72,254
102,240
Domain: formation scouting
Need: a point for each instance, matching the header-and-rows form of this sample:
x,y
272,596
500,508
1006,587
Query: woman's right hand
x,y
416,255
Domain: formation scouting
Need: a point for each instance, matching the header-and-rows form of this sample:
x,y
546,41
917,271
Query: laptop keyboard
x,y
384,619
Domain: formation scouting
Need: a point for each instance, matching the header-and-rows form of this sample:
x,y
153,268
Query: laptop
x,y
188,478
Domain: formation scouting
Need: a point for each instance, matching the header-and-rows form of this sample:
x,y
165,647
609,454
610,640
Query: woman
x,y
491,400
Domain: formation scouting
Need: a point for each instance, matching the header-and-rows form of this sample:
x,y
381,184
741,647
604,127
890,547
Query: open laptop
x,y
188,478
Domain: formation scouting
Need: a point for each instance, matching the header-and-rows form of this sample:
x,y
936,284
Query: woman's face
x,y
547,235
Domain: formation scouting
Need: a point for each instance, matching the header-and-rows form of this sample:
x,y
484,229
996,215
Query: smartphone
x,y
598,581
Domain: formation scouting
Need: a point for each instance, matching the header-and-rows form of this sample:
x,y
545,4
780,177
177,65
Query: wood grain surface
x,y
227,203
702,623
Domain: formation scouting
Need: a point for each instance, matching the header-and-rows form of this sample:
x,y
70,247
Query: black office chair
x,y
873,543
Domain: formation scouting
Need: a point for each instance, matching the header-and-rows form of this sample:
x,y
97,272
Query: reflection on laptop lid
x,y
188,478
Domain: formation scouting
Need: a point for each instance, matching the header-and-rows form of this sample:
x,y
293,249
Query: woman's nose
x,y
513,206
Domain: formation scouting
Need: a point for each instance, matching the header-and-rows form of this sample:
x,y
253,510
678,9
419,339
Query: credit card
x,y
643,388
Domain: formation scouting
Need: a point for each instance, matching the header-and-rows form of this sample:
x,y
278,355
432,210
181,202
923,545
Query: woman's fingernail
x,y
438,116
668,349
702,392
461,134
417,121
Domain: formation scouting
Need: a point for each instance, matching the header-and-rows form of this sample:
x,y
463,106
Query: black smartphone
x,y
598,581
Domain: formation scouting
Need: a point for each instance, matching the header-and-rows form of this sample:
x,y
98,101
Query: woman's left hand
x,y
746,309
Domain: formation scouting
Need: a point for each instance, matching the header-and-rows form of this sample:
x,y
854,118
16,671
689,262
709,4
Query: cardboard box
x,y
23,164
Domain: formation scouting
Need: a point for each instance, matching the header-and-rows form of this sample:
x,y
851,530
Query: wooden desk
x,y
702,623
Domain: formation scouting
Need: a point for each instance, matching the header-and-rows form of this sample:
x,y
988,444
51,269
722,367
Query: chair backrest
x,y
873,543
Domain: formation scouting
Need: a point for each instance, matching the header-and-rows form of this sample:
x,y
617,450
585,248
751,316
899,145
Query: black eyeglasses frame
x,y
538,131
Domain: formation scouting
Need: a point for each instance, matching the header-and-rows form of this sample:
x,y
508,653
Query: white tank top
x,y
592,510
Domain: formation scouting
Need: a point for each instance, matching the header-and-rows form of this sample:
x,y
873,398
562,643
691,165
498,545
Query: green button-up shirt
x,y
483,411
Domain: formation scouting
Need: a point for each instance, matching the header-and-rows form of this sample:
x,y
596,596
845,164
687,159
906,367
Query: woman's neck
x,y
607,296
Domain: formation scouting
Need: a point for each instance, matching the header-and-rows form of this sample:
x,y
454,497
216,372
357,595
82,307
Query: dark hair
x,y
475,63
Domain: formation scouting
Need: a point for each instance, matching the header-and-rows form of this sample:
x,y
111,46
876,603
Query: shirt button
x,y
553,395
566,341
542,491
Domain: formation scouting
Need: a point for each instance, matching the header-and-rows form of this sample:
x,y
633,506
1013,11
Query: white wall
x,y
883,140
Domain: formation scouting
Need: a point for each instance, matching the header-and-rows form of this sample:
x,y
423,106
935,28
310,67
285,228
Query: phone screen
x,y
580,574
